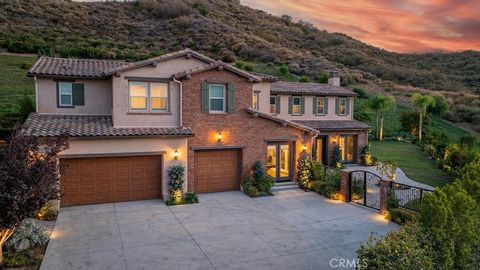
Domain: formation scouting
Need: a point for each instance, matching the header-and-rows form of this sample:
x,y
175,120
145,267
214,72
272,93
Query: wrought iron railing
x,y
409,197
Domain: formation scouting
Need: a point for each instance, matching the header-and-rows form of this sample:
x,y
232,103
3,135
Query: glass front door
x,y
347,147
279,161
321,150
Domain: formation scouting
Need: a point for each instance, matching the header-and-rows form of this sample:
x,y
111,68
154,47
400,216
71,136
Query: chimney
x,y
334,78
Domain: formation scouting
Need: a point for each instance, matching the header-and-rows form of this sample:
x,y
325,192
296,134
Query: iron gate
x,y
365,189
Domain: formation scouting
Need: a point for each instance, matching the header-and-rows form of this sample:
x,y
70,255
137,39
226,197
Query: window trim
x,y
299,105
224,110
274,105
323,107
345,106
148,105
256,94
59,95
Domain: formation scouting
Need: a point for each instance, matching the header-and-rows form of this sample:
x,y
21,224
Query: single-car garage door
x,y
111,179
216,171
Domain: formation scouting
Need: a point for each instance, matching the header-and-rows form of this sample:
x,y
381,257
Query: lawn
x,y
412,161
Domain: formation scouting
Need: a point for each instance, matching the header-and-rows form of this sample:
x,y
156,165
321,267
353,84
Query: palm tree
x,y
379,104
422,102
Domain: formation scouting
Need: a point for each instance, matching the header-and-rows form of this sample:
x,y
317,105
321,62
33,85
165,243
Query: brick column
x,y
383,195
345,185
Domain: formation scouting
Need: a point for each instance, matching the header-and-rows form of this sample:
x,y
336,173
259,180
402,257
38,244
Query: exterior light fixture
x,y
176,154
219,137
304,148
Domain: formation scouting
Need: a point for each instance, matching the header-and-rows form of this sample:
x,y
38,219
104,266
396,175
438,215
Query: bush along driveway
x,y
293,229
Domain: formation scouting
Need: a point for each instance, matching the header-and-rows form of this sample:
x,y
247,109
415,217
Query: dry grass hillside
x,y
227,30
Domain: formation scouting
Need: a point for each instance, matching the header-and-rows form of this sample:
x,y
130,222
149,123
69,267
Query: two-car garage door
x,y
111,179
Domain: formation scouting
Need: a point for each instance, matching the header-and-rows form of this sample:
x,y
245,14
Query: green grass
x,y
412,161
14,83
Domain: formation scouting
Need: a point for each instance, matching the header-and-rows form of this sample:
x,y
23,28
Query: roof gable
x,y
299,88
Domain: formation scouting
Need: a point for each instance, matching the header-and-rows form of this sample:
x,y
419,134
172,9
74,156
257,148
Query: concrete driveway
x,y
291,230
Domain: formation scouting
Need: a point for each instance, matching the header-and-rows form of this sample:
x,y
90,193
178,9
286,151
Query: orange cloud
x,y
401,26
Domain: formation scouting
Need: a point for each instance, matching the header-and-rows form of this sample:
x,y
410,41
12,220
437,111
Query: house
x,y
129,122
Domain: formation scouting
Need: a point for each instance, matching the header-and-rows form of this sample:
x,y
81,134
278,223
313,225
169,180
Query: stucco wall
x,y
309,115
135,145
122,117
264,96
98,97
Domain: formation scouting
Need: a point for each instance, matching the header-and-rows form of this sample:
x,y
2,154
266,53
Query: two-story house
x,y
129,122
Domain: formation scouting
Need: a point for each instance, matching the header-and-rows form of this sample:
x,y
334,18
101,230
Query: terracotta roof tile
x,y
89,68
216,64
323,125
299,88
46,125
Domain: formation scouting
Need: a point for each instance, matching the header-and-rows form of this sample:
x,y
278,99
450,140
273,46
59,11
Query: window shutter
x,y
277,103
231,98
290,105
315,105
78,94
325,104
348,106
336,106
205,97
302,107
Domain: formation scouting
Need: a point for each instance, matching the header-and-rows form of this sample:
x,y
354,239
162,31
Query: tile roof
x,y
265,77
281,120
219,65
323,89
46,125
323,125
88,68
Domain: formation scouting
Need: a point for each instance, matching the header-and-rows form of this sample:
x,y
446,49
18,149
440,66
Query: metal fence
x,y
409,197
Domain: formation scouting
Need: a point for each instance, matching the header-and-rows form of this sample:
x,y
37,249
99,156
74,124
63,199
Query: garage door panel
x,y
216,171
111,179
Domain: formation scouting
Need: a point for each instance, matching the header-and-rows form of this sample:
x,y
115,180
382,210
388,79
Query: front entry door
x,y
321,150
279,161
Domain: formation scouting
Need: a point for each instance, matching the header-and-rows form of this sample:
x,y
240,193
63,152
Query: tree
x,y
304,79
440,108
284,70
409,122
322,78
379,104
422,102
28,179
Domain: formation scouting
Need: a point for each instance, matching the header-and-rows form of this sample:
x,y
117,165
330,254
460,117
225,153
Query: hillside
x,y
227,30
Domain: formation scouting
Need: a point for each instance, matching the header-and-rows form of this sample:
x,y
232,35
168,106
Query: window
x,y
346,145
273,104
65,94
255,100
342,106
145,96
216,97
297,106
320,106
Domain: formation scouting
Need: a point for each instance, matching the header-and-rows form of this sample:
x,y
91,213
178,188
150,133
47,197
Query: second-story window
x,y
146,96
255,100
216,97
342,106
273,104
297,106
65,94
320,106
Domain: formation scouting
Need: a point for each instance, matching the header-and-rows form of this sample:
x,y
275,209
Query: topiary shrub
x,y
257,183
175,187
367,156
304,168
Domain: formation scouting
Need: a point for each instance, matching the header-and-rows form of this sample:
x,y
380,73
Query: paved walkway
x,y
291,230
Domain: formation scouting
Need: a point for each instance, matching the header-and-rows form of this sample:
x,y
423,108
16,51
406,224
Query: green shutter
x,y
315,105
325,104
347,101
78,94
302,106
231,98
290,105
204,97
336,106
277,103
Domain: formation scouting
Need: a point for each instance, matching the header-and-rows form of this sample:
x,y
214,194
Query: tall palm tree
x,y
380,104
421,102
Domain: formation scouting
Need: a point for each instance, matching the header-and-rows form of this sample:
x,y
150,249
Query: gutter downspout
x,y
181,98
36,94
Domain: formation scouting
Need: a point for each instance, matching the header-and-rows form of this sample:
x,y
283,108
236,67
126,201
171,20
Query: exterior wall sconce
x,y
176,154
334,140
219,137
304,148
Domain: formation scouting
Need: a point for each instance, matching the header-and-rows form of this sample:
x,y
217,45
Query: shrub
x,y
435,144
257,183
27,106
248,67
175,185
333,182
357,190
456,157
403,216
304,79
322,78
252,191
30,231
409,122
468,141
284,70
47,213
337,156
317,171
201,8
265,184
367,156
304,168
406,249
318,186
25,65
191,197
21,260
440,108
239,64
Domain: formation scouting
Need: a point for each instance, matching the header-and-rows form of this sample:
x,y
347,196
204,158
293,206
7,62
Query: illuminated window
x,y
255,100
342,106
158,96
320,105
145,96
273,104
296,106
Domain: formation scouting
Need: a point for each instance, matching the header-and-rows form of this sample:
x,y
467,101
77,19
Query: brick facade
x,y
239,129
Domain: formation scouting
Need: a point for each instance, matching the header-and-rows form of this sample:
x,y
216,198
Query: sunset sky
x,y
395,25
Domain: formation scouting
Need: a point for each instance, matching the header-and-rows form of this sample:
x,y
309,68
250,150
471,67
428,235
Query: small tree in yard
x,y
380,104
29,171
422,103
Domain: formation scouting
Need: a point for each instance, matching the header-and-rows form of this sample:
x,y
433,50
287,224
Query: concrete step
x,y
284,186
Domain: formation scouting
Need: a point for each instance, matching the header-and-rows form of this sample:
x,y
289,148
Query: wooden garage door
x,y
111,179
216,171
